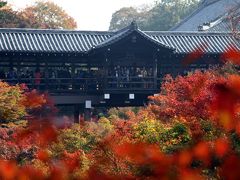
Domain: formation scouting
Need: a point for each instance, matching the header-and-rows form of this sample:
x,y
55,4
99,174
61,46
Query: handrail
x,y
88,83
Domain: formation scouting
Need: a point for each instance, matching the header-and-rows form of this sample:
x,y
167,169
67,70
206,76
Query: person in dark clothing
x,y
2,74
12,76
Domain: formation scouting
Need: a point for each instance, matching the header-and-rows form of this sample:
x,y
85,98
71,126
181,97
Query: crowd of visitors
x,y
63,78
130,77
34,77
119,71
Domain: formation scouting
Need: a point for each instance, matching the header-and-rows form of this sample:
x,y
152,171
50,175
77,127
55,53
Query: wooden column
x,y
76,113
18,70
155,70
87,114
105,68
73,75
46,76
89,70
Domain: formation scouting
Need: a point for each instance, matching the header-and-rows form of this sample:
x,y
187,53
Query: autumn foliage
x,y
41,15
190,130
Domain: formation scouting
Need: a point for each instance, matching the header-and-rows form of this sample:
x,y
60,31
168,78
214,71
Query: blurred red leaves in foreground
x,y
195,54
232,55
225,105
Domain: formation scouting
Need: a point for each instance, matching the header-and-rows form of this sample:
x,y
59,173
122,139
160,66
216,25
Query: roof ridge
x,y
153,40
221,18
225,5
122,33
200,7
50,31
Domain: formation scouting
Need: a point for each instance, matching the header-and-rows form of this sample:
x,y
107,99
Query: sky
x,y
89,14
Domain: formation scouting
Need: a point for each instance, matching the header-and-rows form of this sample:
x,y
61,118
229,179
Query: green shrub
x,y
170,138
211,131
175,138
148,130
122,113
81,138
11,107
70,140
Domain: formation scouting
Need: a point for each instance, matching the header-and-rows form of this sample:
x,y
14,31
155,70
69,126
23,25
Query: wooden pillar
x,y
155,71
76,113
105,69
73,76
18,72
46,76
10,62
87,114
87,81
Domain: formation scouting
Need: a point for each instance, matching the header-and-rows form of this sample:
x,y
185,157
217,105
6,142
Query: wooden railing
x,y
88,84
130,83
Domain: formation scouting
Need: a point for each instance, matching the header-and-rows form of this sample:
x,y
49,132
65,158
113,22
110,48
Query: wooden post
x,y
18,70
73,75
87,114
105,69
155,71
76,113
46,76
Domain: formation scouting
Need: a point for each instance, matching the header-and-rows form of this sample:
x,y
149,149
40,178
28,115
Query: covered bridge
x,y
93,68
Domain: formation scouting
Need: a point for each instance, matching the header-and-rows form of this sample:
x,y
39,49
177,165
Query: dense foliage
x,y
41,15
161,16
49,16
17,102
162,140
190,130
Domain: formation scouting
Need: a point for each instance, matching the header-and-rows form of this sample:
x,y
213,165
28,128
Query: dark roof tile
x,y
60,41
207,11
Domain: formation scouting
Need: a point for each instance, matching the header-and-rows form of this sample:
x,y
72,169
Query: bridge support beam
x,y
87,114
79,110
76,113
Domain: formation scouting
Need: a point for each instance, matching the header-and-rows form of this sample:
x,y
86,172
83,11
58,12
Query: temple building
x,y
212,16
88,69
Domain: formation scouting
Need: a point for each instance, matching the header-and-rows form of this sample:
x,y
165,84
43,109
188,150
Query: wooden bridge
x,y
91,68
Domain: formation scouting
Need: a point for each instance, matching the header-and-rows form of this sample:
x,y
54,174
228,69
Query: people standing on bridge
x,y
52,79
28,77
144,77
2,74
117,74
12,76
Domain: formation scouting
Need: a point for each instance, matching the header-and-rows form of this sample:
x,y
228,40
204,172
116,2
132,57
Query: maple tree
x,y
10,103
41,15
48,15
10,18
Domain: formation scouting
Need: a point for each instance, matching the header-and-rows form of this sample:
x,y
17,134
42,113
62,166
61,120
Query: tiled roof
x,y
132,28
186,42
28,40
61,41
224,24
208,11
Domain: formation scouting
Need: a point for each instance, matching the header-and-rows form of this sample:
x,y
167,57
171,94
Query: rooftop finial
x,y
134,24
